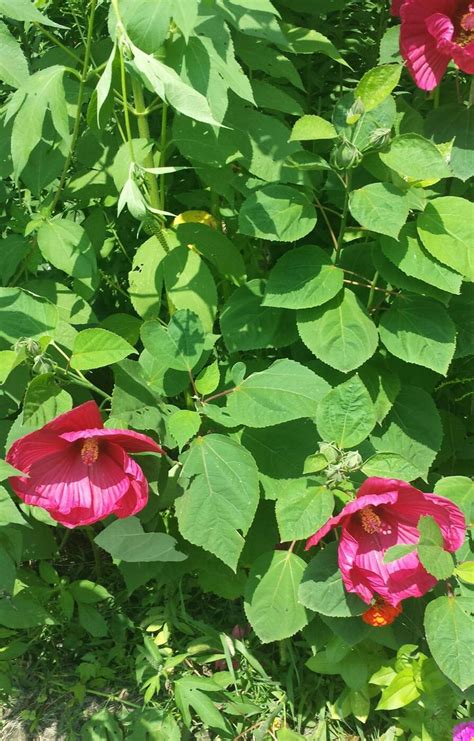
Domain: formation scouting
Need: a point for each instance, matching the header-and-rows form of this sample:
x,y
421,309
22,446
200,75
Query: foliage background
x,y
316,330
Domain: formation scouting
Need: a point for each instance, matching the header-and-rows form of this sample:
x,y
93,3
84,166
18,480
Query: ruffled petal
x,y
370,500
396,5
129,440
63,483
464,57
425,62
375,485
446,514
136,497
80,418
365,573
28,449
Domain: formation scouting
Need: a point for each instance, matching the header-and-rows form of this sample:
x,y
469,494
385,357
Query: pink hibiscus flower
x,y
464,731
386,513
79,471
396,5
432,33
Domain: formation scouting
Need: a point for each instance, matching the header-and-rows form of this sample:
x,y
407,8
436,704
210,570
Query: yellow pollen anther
x,y
371,522
90,451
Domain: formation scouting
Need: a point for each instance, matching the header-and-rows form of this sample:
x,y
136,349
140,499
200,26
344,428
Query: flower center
x,y
465,26
90,451
381,614
371,522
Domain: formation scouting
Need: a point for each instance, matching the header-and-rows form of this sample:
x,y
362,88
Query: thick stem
x,y
373,288
144,131
163,143
345,214
126,113
80,98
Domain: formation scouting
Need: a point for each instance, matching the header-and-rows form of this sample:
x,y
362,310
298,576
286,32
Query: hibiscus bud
x,y
352,460
356,110
345,156
330,452
42,365
32,347
379,139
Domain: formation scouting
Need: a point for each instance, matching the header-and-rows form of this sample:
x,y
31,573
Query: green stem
x,y
59,43
126,113
80,98
471,93
344,217
163,143
373,288
144,131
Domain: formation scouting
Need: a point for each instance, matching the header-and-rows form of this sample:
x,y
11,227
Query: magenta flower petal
x,y
350,509
464,731
81,474
432,33
396,5
133,442
385,513
80,418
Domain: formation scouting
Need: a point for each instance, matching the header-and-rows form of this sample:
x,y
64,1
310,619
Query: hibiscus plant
x,y
237,368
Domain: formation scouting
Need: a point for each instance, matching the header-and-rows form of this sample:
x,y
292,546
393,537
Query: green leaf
x,y
346,415
207,515
280,451
215,247
87,592
283,392
277,213
24,315
454,122
339,333
303,278
183,425
13,64
41,92
105,82
23,611
322,589
309,41
92,621
167,84
447,627
390,465
126,540
377,84
180,345
190,284
24,10
397,551
302,509
208,379
44,400
460,490
146,22
312,128
9,514
9,359
271,596
415,158
436,560
66,245
401,691
419,330
383,385
96,348
248,324
6,470
460,311
190,692
7,571
410,256
465,572
415,436
446,228
146,278
380,207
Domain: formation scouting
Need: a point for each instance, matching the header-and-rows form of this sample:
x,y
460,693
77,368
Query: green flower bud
x,y
42,365
345,156
379,139
31,347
